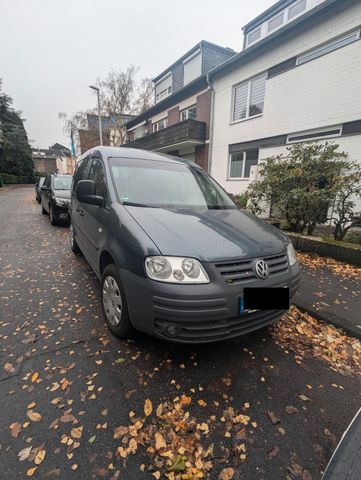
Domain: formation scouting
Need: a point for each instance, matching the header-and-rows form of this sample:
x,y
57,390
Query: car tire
x,y
43,211
53,219
73,245
114,303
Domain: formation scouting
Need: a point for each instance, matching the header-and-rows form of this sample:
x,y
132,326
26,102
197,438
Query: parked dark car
x,y
55,197
38,186
176,257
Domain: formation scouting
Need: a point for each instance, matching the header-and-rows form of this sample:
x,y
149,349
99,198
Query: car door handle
x,y
80,211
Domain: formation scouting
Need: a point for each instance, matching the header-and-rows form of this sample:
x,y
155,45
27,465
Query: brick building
x,y
56,158
178,123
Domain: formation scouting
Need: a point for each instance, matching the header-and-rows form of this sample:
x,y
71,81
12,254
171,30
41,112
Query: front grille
x,y
240,271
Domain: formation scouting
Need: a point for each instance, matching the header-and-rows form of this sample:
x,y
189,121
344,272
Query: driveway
x,y
77,403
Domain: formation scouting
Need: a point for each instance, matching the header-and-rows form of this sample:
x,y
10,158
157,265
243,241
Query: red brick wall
x,y
204,109
90,138
201,156
173,116
45,165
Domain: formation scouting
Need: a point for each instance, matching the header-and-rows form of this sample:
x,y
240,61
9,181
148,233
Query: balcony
x,y
189,132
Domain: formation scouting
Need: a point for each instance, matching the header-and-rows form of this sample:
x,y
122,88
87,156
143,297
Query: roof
x,y
136,153
277,7
198,46
191,88
268,42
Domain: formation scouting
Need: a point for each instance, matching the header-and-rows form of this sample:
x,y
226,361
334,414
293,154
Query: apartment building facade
x,y
178,122
297,79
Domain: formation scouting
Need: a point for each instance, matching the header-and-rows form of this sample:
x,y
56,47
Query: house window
x,y
160,125
296,8
240,163
248,98
189,113
315,134
275,22
329,47
163,88
192,67
253,36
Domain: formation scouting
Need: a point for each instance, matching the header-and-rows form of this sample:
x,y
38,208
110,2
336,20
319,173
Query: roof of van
x,y
136,153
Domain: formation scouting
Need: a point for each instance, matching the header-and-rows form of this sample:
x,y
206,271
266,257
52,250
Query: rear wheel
x,y
73,245
114,303
53,219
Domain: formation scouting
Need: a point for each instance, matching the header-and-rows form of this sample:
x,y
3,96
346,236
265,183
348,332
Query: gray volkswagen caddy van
x,y
175,256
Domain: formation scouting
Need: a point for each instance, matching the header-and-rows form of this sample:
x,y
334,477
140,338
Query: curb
x,y
327,317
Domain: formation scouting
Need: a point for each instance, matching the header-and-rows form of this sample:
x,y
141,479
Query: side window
x,y
81,172
47,182
97,174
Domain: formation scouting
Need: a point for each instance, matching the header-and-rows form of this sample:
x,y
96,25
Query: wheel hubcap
x,y
112,301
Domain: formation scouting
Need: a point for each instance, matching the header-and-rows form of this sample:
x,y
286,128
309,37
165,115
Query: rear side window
x,y
47,182
81,172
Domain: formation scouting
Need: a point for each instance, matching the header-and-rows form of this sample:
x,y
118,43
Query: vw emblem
x,y
261,269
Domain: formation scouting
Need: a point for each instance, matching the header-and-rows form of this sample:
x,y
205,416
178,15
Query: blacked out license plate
x,y
264,298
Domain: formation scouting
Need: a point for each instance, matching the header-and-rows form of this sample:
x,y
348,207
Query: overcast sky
x,y
51,50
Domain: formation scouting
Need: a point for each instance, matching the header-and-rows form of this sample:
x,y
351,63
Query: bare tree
x,y
120,94
144,96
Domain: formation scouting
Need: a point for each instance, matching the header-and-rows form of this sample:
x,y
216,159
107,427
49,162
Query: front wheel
x,y
114,303
73,245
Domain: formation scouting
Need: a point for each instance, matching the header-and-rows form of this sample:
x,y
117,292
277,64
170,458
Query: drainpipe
x,y
210,141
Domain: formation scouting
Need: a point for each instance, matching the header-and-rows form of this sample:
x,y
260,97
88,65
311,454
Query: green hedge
x,y
7,178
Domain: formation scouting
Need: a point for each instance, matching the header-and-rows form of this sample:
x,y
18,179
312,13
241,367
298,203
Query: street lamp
x,y
99,113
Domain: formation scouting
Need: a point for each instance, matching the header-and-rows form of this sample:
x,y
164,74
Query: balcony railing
x,y
191,131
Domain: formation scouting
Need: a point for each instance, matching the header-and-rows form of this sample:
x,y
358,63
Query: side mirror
x,y
43,188
85,193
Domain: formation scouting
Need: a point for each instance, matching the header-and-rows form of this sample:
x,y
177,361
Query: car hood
x,y
62,194
209,235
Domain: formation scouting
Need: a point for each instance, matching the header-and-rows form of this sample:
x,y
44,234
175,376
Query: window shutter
x,y
258,86
163,86
240,101
193,68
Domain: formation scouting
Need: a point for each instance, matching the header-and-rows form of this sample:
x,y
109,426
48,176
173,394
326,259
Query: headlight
x,y
60,202
291,254
175,270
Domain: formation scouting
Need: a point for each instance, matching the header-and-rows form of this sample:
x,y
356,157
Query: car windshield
x,y
62,183
149,183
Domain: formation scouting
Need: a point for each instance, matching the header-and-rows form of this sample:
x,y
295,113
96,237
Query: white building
x,y
298,78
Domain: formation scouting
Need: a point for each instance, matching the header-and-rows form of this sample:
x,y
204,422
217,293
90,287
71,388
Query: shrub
x,y
239,199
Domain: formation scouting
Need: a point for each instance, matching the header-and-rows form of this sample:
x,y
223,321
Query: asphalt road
x,y
57,360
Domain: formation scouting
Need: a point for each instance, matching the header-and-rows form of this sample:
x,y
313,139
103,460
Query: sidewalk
x,y
331,291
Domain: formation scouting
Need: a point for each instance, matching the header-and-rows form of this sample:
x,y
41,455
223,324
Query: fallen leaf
x,y
31,471
290,409
148,407
40,457
24,454
226,474
34,416
273,417
92,439
15,429
76,432
9,368
159,441
273,452
34,377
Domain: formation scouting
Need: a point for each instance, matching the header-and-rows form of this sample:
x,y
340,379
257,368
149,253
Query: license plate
x,y
277,298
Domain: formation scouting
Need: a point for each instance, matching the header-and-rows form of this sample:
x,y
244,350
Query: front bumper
x,y
199,313
61,211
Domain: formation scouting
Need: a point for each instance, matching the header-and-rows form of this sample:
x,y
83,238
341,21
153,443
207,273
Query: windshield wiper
x,y
143,205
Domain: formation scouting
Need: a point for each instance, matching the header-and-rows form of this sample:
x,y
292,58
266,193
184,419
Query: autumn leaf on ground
x,y
76,432
34,377
24,454
40,457
159,441
9,368
226,474
148,407
15,429
34,416
31,471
